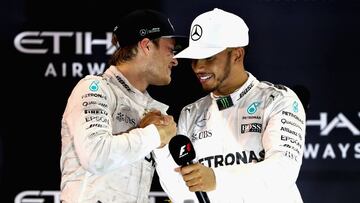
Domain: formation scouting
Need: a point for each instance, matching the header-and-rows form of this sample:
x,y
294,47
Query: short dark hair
x,y
126,53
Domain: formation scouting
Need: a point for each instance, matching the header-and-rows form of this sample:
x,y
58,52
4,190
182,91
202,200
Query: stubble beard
x,y
222,79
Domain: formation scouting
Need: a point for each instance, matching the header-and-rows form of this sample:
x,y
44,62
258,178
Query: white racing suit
x,y
105,157
253,140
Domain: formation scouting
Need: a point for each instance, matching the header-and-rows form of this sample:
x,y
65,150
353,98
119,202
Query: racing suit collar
x,y
232,99
143,99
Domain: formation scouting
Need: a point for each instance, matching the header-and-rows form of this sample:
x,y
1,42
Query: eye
x,y
210,58
173,51
194,61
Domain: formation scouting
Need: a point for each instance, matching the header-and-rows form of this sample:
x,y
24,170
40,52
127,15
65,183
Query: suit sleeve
x,y
274,177
172,182
89,119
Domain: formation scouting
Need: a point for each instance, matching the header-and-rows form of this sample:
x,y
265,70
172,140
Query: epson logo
x,y
44,42
339,121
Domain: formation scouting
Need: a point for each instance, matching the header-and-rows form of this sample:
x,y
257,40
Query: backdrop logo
x,y
37,196
32,196
327,125
334,146
78,45
42,42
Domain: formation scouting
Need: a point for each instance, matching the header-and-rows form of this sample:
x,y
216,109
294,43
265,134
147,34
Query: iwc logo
x,y
196,32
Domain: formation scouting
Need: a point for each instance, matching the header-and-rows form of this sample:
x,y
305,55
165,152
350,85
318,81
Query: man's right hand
x,y
165,124
198,177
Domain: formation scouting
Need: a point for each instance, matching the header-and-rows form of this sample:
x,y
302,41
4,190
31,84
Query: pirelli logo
x,y
224,102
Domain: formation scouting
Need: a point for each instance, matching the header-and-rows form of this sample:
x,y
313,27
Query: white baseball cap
x,y
213,32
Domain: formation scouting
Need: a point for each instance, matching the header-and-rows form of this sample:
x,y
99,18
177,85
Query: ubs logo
x,y
196,32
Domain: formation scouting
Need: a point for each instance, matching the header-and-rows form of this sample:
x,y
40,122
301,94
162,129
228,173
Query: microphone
x,y
183,153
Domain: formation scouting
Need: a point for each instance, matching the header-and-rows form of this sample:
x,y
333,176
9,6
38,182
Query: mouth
x,y
204,77
171,67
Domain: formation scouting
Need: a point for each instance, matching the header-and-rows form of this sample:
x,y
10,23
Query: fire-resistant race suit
x,y
105,158
253,139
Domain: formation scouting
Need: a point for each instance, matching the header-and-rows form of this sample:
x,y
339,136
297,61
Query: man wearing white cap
x,y
248,135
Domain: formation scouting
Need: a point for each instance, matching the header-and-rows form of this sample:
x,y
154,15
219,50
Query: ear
x,y
239,54
145,44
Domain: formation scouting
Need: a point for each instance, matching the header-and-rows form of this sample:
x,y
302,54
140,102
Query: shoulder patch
x,y
276,86
281,87
197,103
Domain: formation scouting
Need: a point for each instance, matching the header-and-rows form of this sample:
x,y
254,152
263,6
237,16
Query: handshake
x,y
165,125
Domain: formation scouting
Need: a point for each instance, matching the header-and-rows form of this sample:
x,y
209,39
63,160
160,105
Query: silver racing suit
x,y
104,156
253,140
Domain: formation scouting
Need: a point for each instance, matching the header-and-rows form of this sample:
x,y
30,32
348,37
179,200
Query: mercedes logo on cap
x,y
196,32
142,32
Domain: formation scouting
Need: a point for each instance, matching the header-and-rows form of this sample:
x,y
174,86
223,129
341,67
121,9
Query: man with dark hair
x,y
106,149
248,135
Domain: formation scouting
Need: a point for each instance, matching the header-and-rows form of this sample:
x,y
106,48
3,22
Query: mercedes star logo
x,y
143,32
196,32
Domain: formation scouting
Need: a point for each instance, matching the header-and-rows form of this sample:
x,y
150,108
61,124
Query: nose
x,y
174,62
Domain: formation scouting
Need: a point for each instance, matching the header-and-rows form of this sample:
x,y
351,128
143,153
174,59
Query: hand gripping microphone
x,y
183,153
